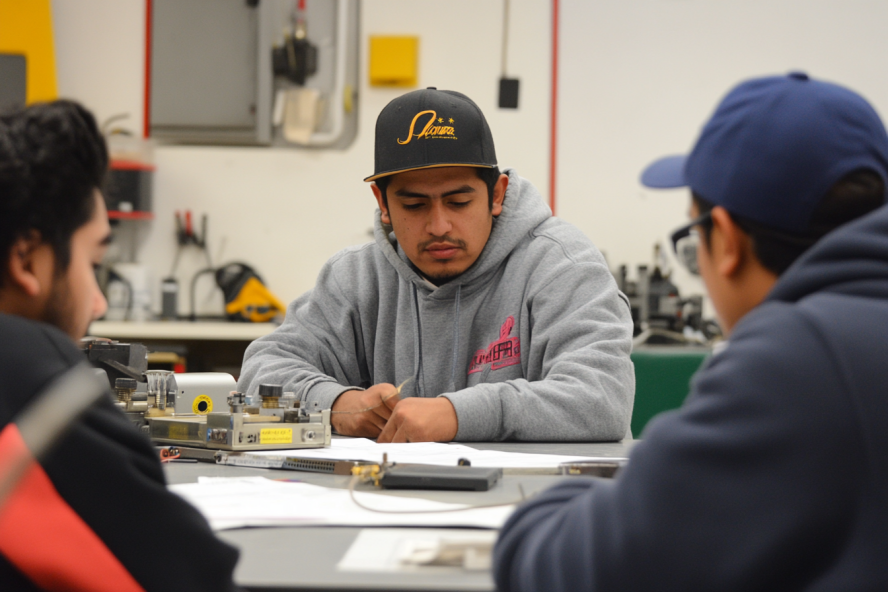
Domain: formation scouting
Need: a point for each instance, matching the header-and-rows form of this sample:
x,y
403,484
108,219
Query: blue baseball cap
x,y
774,147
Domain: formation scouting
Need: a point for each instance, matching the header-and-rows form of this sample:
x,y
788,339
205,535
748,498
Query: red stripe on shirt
x,y
45,539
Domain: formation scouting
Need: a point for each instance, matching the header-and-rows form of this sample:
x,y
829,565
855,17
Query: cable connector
x,y
368,473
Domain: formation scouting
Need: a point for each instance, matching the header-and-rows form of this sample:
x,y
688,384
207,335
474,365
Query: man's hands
x,y
420,420
388,418
348,420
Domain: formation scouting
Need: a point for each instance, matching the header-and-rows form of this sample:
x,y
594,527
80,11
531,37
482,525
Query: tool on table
x,y
458,478
201,409
118,360
376,474
161,393
593,468
470,551
462,477
292,463
281,423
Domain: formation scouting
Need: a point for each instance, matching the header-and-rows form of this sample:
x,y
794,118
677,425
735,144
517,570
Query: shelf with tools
x,y
201,346
174,330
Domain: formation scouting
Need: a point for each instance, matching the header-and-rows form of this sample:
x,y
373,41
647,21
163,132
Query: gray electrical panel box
x,y
13,81
212,78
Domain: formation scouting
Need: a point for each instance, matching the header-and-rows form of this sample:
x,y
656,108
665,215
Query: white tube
x,y
337,98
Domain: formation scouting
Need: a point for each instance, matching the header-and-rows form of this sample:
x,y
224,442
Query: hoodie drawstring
x,y
417,340
417,349
452,386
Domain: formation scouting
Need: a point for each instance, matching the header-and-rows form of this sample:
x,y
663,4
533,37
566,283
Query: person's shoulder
x,y
27,340
354,259
354,253
776,377
772,330
355,271
35,335
555,241
777,347
31,354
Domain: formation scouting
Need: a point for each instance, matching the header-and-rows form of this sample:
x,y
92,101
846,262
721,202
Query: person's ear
x,y
499,194
30,265
386,219
729,245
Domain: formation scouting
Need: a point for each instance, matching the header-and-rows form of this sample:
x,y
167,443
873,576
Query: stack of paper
x,y
257,501
430,453
418,549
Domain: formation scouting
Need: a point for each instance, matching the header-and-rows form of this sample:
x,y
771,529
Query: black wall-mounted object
x,y
508,93
128,191
297,60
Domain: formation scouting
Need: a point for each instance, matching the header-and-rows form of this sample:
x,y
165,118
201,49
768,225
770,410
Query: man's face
x,y
704,263
735,279
441,217
75,299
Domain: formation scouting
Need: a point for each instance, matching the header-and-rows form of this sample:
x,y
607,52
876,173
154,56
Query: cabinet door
x,y
204,69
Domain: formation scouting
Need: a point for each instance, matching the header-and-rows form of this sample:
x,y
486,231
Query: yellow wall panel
x,y
393,61
26,28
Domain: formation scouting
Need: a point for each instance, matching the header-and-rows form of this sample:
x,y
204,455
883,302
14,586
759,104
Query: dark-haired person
x,y
115,526
774,474
498,321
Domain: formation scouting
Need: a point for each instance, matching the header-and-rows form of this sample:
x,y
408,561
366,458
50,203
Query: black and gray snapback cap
x,y
431,128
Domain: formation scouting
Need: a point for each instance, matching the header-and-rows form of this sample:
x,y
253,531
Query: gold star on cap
x,y
451,120
440,120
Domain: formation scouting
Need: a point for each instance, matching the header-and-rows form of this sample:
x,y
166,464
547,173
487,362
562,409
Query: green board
x,y
662,380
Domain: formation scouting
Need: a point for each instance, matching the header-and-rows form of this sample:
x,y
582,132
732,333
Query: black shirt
x,y
110,475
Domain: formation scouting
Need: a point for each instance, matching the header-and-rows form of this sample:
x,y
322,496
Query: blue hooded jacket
x,y
773,475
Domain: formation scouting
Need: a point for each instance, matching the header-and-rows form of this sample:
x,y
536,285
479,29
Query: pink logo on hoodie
x,y
505,351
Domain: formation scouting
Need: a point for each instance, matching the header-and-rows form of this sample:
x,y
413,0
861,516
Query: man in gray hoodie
x,y
495,320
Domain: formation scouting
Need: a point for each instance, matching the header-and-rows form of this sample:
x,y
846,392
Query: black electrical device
x,y
169,308
508,87
118,360
296,60
128,189
508,93
459,478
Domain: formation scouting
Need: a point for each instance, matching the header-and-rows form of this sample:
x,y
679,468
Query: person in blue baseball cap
x,y
774,474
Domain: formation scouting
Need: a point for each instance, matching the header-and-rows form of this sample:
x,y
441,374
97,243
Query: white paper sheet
x,y
256,501
389,550
430,453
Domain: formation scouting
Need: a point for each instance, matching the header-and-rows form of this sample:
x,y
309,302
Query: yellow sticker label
x,y
202,405
276,436
179,432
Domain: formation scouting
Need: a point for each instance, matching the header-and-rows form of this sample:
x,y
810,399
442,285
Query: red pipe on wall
x,y
147,110
553,139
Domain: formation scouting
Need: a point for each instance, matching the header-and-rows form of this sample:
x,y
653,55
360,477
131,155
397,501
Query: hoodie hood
x,y
523,210
852,260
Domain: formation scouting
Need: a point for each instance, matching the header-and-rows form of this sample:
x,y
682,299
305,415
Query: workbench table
x,y
305,558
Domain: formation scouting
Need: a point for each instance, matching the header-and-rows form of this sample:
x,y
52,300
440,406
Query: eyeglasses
x,y
686,240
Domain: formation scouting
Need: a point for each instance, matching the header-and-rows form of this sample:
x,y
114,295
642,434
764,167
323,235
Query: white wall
x,y
638,79
287,211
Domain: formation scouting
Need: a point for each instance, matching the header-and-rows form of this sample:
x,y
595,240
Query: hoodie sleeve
x,y
579,380
747,487
313,353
